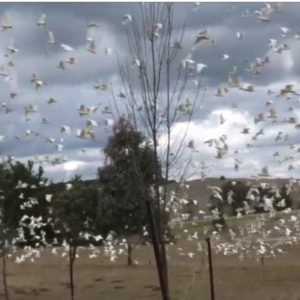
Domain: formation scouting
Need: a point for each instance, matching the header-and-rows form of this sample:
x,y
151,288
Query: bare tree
x,y
155,78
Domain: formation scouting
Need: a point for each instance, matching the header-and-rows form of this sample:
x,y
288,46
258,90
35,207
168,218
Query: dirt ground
x,y
98,278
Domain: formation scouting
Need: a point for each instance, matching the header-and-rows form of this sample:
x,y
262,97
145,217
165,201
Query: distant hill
x,y
198,190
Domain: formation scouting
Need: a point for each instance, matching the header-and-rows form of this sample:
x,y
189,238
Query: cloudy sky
x,y
74,86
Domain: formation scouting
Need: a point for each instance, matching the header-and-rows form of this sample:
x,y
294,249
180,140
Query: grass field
x,y
234,222
99,278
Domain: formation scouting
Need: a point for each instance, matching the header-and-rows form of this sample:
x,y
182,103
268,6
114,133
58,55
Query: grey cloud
x,y
75,85
89,68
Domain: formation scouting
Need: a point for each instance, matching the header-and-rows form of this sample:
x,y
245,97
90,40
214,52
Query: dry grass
x,y
99,278
234,223
47,278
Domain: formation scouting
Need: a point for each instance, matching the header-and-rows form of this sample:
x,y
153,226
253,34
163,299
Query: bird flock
x,y
276,118
253,134
277,125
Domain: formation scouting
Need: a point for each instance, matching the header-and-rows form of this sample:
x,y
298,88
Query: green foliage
x,y
118,204
128,151
75,210
125,180
239,196
121,206
220,223
240,191
19,183
284,192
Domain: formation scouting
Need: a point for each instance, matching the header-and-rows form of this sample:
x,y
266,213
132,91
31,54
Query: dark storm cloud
x,y
74,86
37,145
60,16
216,14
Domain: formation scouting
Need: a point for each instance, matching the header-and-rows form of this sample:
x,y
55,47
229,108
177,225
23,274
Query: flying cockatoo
x,y
91,47
61,65
65,129
51,39
6,23
67,47
91,123
11,48
201,36
126,18
42,20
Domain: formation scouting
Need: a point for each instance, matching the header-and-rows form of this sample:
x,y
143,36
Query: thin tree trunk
x,y
4,277
72,256
164,254
165,265
129,254
156,241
